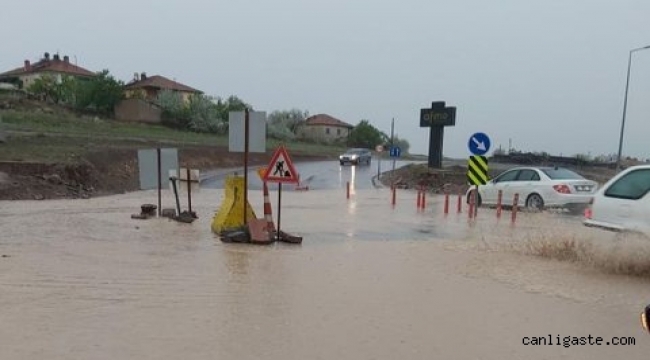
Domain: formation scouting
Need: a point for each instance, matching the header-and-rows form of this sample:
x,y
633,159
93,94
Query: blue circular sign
x,y
479,143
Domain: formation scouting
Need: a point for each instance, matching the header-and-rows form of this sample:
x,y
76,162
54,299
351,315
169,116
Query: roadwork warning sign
x,y
281,168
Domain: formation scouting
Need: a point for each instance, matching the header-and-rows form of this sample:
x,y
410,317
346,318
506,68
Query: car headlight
x,y
353,157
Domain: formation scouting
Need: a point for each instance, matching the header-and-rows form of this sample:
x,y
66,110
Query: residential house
x,y
141,94
323,127
24,76
148,87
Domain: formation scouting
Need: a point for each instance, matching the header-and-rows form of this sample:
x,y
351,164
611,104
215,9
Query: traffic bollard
x,y
470,209
347,190
394,197
419,200
514,208
446,204
499,199
460,203
423,201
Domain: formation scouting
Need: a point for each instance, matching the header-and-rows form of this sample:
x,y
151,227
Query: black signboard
x,y
438,117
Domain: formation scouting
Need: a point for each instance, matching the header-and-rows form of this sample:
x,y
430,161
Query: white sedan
x,y
538,188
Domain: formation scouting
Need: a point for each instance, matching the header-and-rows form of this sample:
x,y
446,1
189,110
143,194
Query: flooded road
x,y
318,175
81,280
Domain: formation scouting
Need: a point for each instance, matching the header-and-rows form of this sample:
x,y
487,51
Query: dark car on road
x,y
356,156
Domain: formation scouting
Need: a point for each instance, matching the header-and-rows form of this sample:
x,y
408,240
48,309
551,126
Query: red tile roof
x,y
54,64
160,83
324,119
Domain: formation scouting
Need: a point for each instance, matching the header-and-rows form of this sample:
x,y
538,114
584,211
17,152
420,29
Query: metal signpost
x,y
477,165
246,133
436,118
153,166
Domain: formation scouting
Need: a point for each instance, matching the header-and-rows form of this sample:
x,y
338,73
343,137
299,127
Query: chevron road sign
x,y
477,170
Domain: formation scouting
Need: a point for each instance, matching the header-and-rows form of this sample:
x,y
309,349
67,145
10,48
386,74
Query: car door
x,y
626,202
527,182
502,182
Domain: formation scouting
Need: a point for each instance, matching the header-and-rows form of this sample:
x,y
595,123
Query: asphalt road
x,y
318,175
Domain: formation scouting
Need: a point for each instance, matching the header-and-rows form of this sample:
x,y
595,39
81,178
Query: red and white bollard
x,y
423,199
499,200
446,204
514,208
472,203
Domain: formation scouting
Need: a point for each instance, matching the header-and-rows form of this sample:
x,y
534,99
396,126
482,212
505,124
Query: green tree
x,y
56,89
366,135
284,124
100,93
174,110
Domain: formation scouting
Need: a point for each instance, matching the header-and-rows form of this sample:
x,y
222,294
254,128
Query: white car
x,y
538,188
622,204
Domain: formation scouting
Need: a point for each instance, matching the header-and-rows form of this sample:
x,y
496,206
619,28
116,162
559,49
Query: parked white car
x,y
623,203
538,188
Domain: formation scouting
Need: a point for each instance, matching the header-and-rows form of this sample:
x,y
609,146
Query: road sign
x,y
395,151
281,168
477,170
379,148
256,131
479,143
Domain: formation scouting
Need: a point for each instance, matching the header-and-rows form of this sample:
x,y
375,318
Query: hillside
x,y
49,151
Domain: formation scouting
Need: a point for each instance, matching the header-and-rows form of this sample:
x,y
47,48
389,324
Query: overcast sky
x,y
548,75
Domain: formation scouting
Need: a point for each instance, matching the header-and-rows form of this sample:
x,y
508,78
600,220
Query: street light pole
x,y
627,87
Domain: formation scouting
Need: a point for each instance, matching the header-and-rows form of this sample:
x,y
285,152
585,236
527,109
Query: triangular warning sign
x,y
281,168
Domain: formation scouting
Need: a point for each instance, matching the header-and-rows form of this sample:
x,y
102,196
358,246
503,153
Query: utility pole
x,y
392,136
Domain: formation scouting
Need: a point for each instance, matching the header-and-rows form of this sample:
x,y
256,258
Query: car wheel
x,y
342,163
535,202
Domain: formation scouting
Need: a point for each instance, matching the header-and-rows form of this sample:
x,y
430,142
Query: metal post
x,y
189,191
347,190
460,202
476,201
627,86
279,208
246,121
159,182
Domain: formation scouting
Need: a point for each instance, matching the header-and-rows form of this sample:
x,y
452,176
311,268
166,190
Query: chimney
x,y
46,56
28,65
143,76
136,77
56,57
66,59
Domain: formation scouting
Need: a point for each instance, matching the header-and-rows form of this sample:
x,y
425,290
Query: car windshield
x,y
353,152
561,174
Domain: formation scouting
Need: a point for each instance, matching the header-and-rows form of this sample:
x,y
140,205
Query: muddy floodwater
x,y
82,280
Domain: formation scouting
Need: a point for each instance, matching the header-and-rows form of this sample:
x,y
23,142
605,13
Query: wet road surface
x,y
81,280
318,175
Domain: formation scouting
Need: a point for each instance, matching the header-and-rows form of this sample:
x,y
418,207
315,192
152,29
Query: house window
x,y
327,131
338,131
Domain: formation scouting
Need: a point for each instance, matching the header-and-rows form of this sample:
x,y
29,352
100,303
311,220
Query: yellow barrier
x,y
231,213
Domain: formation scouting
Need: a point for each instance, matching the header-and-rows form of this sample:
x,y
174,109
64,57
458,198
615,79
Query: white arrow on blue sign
x,y
479,143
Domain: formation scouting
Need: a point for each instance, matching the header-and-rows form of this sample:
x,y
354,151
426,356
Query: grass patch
x,y
63,137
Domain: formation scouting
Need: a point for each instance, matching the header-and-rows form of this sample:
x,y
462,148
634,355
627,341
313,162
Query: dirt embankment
x,y
453,179
108,172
